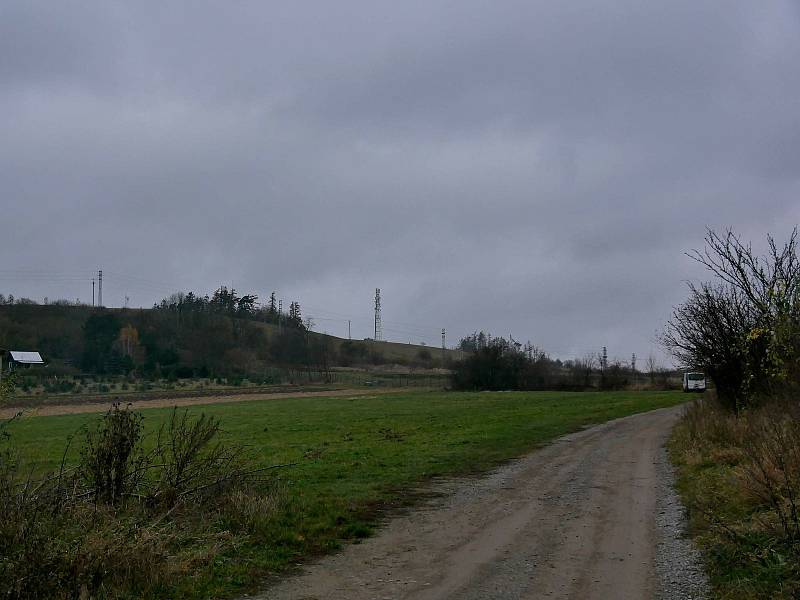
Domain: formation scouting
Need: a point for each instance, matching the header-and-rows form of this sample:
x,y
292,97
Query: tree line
x,y
227,302
497,363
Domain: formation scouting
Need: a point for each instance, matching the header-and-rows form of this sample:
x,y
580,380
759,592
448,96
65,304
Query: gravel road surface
x,y
592,515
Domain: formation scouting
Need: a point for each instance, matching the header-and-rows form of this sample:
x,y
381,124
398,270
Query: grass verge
x,y
739,477
355,458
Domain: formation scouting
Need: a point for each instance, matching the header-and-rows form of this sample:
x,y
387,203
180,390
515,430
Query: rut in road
x,y
576,519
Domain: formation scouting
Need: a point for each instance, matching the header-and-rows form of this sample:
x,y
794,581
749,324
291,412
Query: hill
x,y
160,342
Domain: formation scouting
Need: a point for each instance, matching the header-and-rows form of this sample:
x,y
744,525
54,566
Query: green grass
x,y
356,457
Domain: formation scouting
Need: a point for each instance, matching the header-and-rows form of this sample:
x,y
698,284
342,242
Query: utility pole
x,y
280,315
633,368
100,288
92,291
378,326
444,352
348,330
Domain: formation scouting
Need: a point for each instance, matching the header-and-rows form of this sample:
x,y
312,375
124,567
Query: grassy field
x,y
355,457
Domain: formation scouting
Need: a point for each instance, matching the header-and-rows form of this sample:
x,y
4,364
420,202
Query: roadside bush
x,y
710,428
771,472
112,459
129,520
86,551
739,475
192,463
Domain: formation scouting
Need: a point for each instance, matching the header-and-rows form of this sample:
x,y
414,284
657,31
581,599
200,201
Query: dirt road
x,y
95,407
577,519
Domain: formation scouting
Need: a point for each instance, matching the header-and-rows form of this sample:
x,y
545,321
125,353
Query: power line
x,y
422,328
329,312
125,281
411,333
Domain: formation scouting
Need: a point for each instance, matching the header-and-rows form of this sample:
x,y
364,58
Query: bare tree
x,y
652,368
730,328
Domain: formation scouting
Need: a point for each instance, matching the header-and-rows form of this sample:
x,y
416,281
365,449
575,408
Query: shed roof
x,y
26,358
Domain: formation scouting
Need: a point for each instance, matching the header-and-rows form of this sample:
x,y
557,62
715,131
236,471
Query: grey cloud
x,y
536,168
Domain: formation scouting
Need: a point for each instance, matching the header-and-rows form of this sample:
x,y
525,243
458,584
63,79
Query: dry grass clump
x,y
740,477
763,448
128,521
708,434
771,471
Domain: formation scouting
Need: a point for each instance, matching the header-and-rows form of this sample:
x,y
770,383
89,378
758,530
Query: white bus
x,y
694,382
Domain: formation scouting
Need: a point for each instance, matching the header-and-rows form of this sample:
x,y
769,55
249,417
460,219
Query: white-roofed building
x,y
12,359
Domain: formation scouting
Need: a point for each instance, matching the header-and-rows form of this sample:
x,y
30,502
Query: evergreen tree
x,y
273,305
295,317
246,305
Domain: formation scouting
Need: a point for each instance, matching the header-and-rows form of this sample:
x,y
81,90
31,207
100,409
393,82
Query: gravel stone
x,y
679,564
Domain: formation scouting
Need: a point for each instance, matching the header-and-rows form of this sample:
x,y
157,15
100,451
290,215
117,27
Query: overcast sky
x,y
535,168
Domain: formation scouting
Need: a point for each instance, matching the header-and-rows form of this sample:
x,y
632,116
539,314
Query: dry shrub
x,y
763,445
127,522
710,426
97,552
191,463
142,556
771,473
113,461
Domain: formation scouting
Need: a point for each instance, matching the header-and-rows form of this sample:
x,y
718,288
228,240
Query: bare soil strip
x,y
576,519
136,396
94,407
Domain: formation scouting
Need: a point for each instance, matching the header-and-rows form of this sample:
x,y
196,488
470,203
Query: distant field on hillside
x,y
354,457
391,351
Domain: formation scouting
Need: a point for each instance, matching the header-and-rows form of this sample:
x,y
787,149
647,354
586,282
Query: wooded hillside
x,y
173,339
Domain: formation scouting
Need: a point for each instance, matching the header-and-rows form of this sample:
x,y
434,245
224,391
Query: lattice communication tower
x,y
378,326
